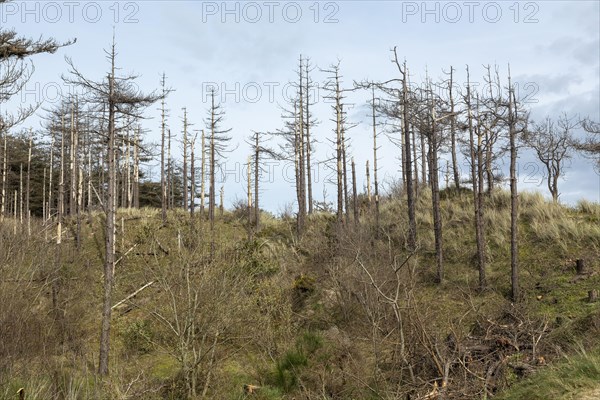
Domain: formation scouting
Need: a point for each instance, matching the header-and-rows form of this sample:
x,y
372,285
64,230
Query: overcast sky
x,y
250,51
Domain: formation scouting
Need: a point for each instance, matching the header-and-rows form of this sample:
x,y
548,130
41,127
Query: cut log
x,y
593,296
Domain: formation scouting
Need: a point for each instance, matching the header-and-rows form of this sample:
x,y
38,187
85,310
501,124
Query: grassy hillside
x,y
338,313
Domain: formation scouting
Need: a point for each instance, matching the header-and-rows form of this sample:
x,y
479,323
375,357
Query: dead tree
x,y
476,177
218,142
455,170
185,160
412,224
514,202
202,174
336,93
193,174
119,97
354,195
28,184
375,148
309,123
552,143
3,207
163,126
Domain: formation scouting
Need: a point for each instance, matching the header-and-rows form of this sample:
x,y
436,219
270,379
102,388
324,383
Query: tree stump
x,y
580,266
593,296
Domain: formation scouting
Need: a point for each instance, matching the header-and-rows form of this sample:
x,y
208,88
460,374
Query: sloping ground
x,y
574,378
591,395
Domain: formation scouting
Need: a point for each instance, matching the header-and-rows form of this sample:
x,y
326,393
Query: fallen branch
x,y
132,295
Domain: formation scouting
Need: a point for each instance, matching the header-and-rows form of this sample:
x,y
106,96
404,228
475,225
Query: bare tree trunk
x,y
170,173
424,162
211,189
435,197
136,169
193,175
61,186
345,177
403,157
73,189
202,175
339,150
185,161
301,152
368,175
222,201
44,208
163,181
474,178
375,148
412,224
50,177
256,178
28,184
514,202
21,195
453,134
128,181
308,144
488,162
249,196
354,195
89,172
79,204
110,232
4,173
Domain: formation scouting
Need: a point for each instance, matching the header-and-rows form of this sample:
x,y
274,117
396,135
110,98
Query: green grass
x,y
564,380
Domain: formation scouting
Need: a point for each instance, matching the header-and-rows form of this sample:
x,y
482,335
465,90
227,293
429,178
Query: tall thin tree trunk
x,y
345,177
514,201
375,148
136,169
354,194
169,172
256,179
185,160
28,184
73,179
249,196
368,175
455,170
110,232
127,181
89,172
163,180
308,144
412,224
193,175
51,177
301,152
476,175
4,173
435,195
211,188
202,175
424,162
339,151
44,208
21,195
61,185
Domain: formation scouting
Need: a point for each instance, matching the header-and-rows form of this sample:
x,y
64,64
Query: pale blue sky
x,y
553,46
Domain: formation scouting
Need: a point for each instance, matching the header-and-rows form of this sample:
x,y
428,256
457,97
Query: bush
x,y
137,337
